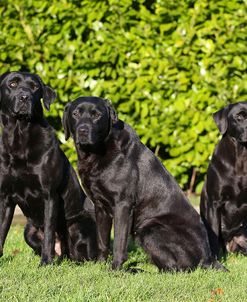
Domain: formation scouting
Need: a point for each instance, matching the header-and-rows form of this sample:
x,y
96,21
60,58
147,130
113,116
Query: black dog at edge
x,y
128,184
224,197
36,175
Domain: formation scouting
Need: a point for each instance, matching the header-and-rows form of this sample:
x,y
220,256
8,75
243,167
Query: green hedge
x,y
167,65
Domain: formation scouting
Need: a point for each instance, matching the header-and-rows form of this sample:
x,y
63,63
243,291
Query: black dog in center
x,y
36,175
224,196
128,183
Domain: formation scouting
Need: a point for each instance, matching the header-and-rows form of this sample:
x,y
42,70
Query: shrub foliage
x,y
167,65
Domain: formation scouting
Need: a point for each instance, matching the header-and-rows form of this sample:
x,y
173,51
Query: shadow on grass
x,y
134,249
130,268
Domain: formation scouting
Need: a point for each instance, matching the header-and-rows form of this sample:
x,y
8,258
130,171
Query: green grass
x,y
22,280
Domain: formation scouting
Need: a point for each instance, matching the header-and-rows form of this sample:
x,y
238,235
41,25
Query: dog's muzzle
x,y
82,136
243,139
23,105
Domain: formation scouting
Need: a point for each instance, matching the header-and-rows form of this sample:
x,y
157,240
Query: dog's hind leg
x,y
154,241
34,237
176,248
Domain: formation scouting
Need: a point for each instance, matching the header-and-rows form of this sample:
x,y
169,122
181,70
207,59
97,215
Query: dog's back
x,y
164,218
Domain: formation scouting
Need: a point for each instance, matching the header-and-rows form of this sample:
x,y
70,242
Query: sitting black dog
x,y
36,175
128,183
224,196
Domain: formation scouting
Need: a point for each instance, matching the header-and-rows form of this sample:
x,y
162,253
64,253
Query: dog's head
x,y
232,120
20,95
233,228
89,120
238,244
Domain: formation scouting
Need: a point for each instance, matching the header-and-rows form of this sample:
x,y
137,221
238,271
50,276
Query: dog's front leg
x,y
122,225
104,225
212,221
50,221
6,216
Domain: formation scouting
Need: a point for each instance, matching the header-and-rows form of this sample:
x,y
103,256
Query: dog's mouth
x,y
83,139
82,143
24,111
89,146
242,139
23,115
89,140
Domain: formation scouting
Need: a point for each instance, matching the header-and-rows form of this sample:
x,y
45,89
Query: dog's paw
x,y
116,265
102,256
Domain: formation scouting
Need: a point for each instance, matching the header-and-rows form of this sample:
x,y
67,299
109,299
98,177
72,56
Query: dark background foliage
x,y
166,65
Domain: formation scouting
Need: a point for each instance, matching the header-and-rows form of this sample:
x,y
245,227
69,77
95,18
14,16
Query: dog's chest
x,y
24,188
21,182
23,150
239,177
20,177
99,193
234,193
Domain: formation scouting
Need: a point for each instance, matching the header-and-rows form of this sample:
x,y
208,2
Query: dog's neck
x,y
15,133
9,121
90,158
99,150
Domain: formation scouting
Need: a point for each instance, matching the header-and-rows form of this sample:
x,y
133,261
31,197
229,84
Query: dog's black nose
x,y
23,98
83,130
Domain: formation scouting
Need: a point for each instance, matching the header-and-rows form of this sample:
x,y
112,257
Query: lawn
x,y
23,280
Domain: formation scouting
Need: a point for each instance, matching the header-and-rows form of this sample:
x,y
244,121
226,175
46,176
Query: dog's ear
x,y
112,112
220,118
65,121
49,96
2,76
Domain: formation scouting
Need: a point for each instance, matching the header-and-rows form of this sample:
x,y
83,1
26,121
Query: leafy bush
x,y
167,65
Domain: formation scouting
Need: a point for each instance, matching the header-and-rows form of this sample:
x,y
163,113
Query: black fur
x,y
129,185
36,175
224,196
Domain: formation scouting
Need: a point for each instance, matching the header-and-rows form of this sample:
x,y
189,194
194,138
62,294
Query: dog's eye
x,y
34,86
13,84
76,113
95,115
242,115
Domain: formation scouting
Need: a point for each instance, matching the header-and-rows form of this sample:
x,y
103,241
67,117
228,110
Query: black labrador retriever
x,y
128,184
224,196
36,175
